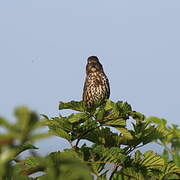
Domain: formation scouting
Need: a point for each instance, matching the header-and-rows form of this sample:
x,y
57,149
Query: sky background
x,y
44,45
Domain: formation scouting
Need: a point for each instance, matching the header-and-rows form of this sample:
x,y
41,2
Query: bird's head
x,y
93,65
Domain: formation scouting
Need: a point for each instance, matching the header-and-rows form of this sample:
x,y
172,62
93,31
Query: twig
x,y
77,142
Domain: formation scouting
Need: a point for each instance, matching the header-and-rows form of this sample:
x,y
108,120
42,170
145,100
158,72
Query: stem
x,y
77,142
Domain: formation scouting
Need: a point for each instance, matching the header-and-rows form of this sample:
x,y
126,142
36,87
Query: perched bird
x,y
96,86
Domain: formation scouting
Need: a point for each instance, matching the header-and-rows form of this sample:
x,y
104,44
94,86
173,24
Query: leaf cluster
x,y
115,131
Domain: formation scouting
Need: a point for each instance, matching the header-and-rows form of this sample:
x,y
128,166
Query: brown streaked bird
x,y
96,86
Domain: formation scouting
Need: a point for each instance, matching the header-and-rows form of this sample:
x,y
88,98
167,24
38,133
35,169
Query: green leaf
x,y
6,124
68,154
102,155
139,117
70,166
45,116
25,117
59,132
168,169
6,139
133,174
108,155
104,136
165,155
36,137
115,122
80,130
151,160
159,121
61,123
109,105
151,134
74,105
60,126
176,158
7,156
74,118
137,156
25,147
100,114
30,165
126,133
124,106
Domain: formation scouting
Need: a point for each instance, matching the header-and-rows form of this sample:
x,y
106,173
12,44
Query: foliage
x,y
114,144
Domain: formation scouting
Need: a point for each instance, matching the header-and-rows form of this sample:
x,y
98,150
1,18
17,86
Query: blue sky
x,y
45,43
